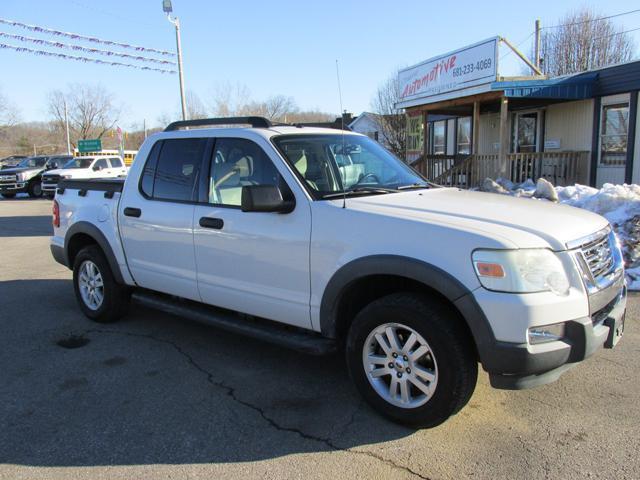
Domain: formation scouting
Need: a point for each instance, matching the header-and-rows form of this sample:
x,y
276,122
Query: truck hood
x,y
13,171
523,222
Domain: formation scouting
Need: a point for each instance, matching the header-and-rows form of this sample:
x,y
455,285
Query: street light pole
x,y
66,122
167,8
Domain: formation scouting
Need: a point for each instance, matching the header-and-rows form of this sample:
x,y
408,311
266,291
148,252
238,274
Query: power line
x,y
77,36
617,33
593,19
82,59
517,45
98,51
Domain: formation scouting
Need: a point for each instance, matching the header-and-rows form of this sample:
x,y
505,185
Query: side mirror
x,y
265,198
97,168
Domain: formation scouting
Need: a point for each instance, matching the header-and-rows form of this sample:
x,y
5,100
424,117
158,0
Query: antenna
x,y
344,192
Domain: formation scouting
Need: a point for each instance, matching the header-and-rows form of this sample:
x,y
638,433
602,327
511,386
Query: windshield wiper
x,y
414,186
360,190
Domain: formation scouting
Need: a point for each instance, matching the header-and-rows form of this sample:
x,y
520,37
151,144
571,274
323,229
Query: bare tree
x,y
195,107
235,100
392,121
91,110
229,100
583,41
9,115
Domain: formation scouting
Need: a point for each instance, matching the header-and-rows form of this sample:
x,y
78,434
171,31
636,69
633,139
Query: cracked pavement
x,y
155,396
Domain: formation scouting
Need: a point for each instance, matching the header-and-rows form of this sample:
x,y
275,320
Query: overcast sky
x,y
276,47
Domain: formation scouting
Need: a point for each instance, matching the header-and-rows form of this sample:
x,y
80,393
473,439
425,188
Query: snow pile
x,y
620,204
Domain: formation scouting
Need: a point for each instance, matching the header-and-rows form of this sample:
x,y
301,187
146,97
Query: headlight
x,y
23,177
521,271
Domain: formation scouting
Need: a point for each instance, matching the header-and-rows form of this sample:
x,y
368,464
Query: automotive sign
x,y
467,67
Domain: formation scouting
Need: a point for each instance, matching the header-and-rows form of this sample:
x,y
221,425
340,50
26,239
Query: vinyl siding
x,y
571,123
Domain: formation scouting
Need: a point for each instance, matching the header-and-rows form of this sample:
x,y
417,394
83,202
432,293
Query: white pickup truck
x,y
83,168
321,240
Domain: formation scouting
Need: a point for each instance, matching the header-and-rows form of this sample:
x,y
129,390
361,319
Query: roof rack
x,y
255,122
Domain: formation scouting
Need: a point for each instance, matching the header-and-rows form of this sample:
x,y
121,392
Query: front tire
x,y
412,359
35,190
100,297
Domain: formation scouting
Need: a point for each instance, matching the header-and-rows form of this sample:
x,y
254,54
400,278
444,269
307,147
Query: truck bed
x,y
97,184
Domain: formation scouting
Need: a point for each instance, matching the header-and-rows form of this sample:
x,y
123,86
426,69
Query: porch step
x,y
304,341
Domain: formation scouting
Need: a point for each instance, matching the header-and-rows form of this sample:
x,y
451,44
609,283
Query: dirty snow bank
x,y
620,204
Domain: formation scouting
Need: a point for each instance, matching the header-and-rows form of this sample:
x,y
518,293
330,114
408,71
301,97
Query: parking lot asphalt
x,y
155,396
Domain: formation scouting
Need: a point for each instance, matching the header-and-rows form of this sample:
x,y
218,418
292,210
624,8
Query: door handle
x,y
132,212
207,222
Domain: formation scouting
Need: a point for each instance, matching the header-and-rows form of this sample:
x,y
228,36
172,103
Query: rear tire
x,y
100,297
8,195
35,190
439,369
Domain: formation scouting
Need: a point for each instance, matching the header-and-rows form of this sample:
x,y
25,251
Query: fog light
x,y
547,333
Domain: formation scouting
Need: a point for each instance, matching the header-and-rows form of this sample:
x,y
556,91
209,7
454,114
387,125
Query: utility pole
x,y
144,126
537,45
167,8
66,122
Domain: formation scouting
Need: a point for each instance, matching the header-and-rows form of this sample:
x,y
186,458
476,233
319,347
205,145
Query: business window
x,y
613,134
439,137
463,136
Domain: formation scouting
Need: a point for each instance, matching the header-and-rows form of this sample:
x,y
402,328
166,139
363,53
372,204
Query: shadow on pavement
x,y
26,226
156,389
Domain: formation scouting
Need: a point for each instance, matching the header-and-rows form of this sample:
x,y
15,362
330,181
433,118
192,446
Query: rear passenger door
x,y
156,218
117,168
252,262
99,169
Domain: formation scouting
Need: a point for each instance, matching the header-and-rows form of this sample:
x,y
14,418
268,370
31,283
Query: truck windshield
x,y
353,164
79,162
33,162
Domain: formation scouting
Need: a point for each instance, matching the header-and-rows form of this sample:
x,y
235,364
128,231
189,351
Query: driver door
x,y
252,262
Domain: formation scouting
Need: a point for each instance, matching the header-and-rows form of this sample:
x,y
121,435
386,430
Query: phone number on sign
x,y
472,67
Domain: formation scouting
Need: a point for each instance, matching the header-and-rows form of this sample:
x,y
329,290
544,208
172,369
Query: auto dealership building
x,y
466,122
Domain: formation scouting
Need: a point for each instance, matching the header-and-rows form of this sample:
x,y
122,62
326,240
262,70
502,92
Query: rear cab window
x,y
172,169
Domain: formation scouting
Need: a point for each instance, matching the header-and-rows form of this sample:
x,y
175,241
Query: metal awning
x,y
571,87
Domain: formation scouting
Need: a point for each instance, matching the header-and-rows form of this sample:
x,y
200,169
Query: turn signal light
x,y
485,269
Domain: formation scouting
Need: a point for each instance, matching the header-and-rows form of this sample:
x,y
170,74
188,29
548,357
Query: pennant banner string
x,y
82,59
84,49
76,36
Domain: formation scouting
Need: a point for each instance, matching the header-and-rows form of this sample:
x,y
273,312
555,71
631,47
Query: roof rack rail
x,y
255,122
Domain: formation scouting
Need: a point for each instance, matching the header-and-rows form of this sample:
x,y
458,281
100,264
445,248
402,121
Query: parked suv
x,y
26,177
83,168
325,241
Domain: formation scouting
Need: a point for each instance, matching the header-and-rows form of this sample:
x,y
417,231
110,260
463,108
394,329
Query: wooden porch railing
x,y
560,168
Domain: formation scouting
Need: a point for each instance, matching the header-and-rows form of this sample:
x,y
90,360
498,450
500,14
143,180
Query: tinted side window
x,y
238,162
102,163
115,162
149,172
178,168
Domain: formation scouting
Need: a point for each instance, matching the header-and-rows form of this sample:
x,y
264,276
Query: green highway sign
x,y
93,145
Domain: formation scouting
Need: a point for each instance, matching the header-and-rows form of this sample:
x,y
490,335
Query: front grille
x,y
598,255
50,178
8,178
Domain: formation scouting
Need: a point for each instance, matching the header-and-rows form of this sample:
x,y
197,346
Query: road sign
x,y
93,145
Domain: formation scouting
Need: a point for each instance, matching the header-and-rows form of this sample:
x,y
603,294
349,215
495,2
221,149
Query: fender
x,y
425,273
95,233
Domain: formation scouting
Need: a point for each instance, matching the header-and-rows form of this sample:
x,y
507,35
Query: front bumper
x,y
17,187
517,366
